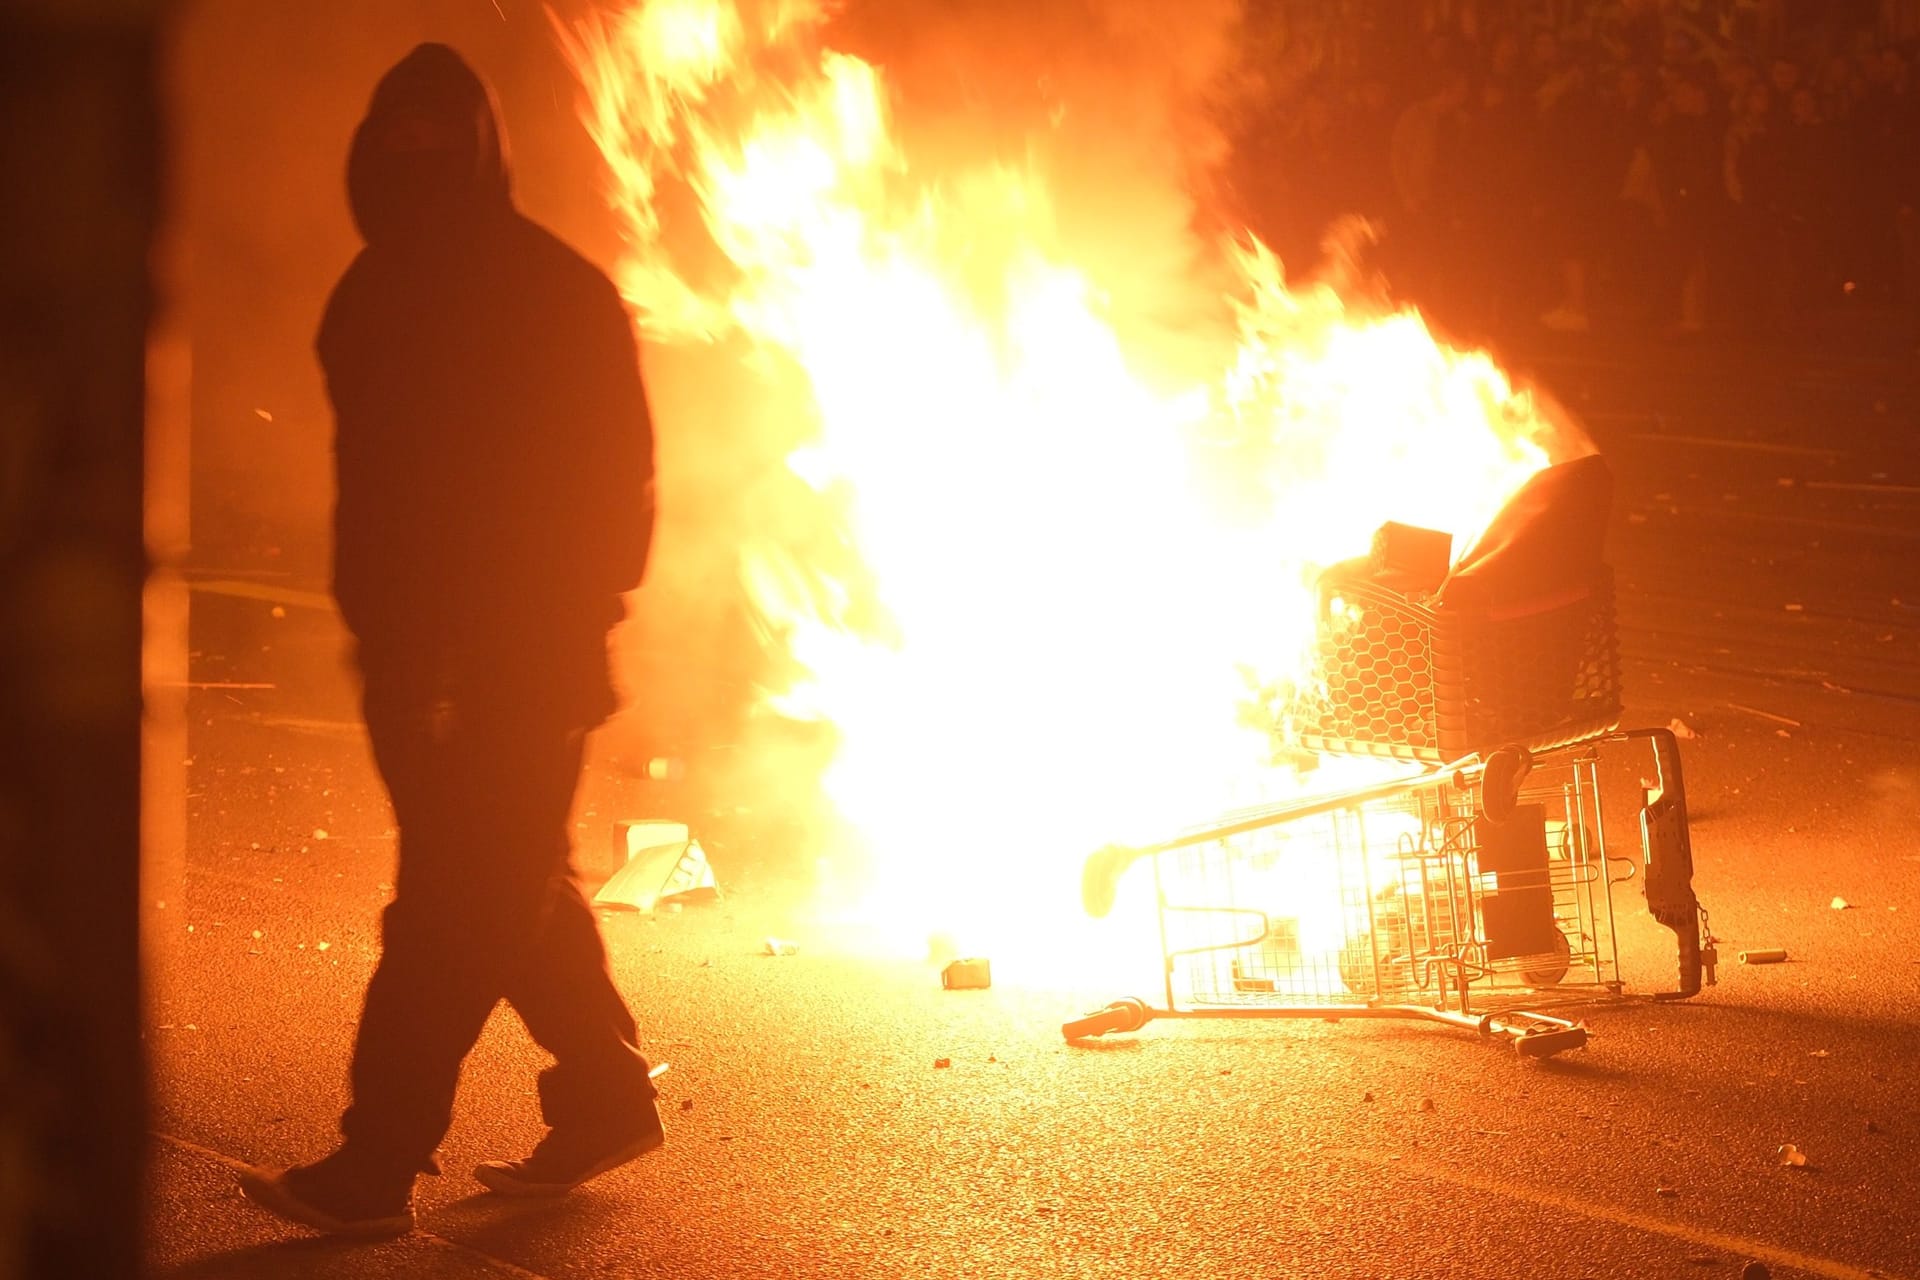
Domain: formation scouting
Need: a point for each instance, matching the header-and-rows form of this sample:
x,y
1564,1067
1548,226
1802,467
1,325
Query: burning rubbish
x,y
1022,427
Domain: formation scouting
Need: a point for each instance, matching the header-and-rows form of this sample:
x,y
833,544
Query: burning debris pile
x,y
1058,473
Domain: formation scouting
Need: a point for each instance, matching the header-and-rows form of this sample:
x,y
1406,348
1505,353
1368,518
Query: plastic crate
x,y
1408,681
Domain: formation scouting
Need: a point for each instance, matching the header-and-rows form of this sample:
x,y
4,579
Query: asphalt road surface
x,y
1767,536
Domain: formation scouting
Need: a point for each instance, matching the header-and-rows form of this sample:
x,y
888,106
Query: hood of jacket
x,y
430,156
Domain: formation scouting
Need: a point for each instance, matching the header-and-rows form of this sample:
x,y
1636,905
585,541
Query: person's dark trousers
x,y
485,907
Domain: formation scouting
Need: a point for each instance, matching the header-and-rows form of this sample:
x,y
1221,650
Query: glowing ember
x,y
1045,542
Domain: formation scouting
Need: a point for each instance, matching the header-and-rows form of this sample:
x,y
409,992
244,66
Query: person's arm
x,y
612,533
355,542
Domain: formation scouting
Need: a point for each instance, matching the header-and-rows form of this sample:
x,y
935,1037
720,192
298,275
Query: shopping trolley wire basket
x,y
1479,895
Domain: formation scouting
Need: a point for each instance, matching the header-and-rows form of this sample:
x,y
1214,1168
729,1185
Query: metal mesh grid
x,y
1389,903
1400,680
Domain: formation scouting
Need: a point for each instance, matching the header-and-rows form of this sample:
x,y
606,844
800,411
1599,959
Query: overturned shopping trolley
x,y
1463,895
1481,889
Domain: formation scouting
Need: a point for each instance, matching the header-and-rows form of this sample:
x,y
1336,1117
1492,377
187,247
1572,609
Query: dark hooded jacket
x,y
493,447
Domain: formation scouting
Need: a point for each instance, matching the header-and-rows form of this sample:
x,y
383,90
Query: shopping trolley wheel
x,y
1547,970
1546,1043
1121,1015
1500,781
1356,966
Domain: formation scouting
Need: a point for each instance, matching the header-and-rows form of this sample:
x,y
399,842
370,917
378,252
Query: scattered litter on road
x,y
1789,721
971,974
657,1070
1681,729
1841,904
321,946
686,1104
1791,1157
781,947
1668,1192
1755,1271
1872,1127
941,1064
1819,1053
1764,955
319,833
1426,1104
1367,1096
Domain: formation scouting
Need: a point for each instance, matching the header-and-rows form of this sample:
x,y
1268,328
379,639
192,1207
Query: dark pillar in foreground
x,y
78,175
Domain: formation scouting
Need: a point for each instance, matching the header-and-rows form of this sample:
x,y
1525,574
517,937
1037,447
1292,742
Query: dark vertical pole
x,y
78,181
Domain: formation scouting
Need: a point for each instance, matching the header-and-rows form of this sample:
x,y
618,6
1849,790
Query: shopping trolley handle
x,y
1667,847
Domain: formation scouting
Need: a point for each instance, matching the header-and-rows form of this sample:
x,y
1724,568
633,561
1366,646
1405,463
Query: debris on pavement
x,y
1426,1104
1668,1192
1789,721
1764,955
1872,1127
940,1064
1841,904
1681,729
1791,1157
970,974
1755,1271
781,947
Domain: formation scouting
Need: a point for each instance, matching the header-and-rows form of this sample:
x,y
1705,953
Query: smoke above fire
x,y
1024,458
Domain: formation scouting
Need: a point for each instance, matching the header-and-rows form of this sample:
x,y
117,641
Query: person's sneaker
x,y
565,1159
333,1197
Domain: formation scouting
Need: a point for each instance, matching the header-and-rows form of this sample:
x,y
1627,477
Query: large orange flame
x,y
1054,575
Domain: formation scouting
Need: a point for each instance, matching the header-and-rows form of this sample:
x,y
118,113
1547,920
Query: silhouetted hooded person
x,y
493,449
494,459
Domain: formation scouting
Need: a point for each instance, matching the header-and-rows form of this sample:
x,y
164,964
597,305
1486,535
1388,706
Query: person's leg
x,y
438,977
482,803
597,1098
424,1006
566,997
